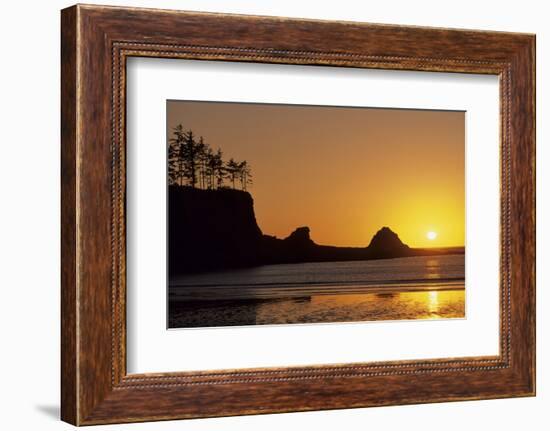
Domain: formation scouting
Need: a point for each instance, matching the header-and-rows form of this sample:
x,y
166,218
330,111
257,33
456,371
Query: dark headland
x,y
217,229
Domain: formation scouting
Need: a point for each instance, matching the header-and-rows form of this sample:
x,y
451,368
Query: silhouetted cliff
x,y
299,247
386,243
217,229
211,229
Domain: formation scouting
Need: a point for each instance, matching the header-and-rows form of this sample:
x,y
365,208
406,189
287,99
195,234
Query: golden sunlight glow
x,y
343,172
433,301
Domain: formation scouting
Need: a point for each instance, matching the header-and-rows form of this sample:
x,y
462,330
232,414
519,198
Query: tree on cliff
x,y
202,163
193,163
232,168
184,154
219,169
245,175
191,155
176,156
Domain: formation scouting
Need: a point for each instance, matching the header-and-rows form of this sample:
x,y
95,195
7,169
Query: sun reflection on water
x,y
433,302
365,307
433,269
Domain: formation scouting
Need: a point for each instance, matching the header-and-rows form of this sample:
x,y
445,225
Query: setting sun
x,y
288,199
431,235
344,195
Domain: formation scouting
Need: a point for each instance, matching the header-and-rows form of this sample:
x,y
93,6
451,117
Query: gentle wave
x,y
293,291
328,278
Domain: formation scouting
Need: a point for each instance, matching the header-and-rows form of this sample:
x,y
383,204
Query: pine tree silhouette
x,y
193,163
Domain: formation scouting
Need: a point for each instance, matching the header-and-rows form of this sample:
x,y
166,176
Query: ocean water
x,y
423,287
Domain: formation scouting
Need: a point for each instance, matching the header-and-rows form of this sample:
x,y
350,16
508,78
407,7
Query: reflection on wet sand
x,y
320,308
422,287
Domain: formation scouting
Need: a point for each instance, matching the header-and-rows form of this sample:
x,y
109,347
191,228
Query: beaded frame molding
x,y
95,43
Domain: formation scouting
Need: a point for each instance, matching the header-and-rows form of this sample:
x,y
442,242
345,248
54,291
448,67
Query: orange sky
x,y
344,172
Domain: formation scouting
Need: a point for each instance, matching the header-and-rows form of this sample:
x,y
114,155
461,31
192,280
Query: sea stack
x,y
387,243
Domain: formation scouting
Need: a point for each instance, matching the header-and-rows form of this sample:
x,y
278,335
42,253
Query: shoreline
x,y
224,293
422,252
439,303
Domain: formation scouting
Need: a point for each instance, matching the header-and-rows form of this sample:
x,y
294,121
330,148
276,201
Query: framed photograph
x,y
301,160
266,215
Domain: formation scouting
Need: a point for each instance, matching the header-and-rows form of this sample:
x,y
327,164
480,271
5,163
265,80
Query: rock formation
x,y
217,229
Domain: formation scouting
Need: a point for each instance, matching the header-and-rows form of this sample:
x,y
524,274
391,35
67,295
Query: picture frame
x,y
96,42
